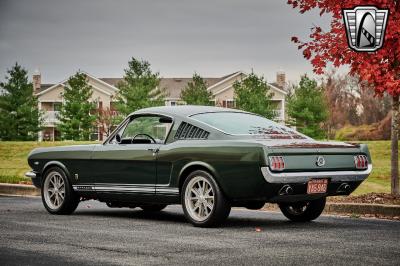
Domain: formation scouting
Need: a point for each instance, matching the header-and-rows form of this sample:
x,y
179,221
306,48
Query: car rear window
x,y
237,123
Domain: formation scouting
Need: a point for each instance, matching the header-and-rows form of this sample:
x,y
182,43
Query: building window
x,y
228,103
95,134
57,135
172,103
57,107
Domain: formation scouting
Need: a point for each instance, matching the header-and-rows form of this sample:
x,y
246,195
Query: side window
x,y
57,106
146,129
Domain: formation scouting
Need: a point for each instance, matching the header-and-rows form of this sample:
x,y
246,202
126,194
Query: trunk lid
x,y
302,155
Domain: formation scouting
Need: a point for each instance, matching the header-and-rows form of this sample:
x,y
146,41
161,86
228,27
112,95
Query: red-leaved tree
x,y
381,69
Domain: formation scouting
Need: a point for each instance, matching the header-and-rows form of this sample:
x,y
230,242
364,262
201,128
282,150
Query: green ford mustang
x,y
206,158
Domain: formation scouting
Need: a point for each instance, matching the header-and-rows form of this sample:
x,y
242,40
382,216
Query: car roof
x,y
184,110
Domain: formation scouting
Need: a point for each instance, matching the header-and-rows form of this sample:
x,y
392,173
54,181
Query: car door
x,y
125,167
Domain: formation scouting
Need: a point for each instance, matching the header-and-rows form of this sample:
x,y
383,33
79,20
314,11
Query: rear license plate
x,y
316,186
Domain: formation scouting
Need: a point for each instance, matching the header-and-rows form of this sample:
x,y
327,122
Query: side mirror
x,y
118,138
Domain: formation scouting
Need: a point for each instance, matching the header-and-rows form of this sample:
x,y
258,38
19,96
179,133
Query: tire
x,y
303,211
153,208
207,208
110,205
254,205
56,180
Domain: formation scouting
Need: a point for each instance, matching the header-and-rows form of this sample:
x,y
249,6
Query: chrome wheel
x,y
199,198
54,190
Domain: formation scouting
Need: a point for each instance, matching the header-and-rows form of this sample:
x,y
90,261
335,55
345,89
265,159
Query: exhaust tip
x,y
286,190
344,187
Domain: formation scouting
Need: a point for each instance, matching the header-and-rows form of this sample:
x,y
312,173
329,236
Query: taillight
x,y
276,163
361,161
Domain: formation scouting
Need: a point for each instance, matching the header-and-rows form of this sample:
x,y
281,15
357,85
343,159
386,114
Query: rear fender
x,y
196,165
364,149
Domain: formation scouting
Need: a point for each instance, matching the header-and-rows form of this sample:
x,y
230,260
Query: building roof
x,y
43,87
173,86
111,81
49,87
276,85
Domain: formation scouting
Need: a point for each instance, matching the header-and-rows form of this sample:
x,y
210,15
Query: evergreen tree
x,y
254,95
139,88
76,122
20,118
307,108
195,92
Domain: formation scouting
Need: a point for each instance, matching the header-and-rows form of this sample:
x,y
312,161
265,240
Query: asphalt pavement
x,y
98,235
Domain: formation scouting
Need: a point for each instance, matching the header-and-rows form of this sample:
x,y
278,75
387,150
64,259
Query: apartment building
x,y
50,97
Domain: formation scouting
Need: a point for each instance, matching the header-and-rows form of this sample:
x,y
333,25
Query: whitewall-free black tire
x,y
203,202
58,196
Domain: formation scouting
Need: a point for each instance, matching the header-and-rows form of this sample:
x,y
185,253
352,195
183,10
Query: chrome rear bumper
x,y
303,177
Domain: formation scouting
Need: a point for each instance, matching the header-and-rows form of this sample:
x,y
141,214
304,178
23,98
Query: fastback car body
x,y
206,158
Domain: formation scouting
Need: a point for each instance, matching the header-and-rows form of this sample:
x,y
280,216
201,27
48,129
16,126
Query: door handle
x,y
154,150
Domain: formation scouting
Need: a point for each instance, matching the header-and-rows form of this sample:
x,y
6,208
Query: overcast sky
x,y
178,37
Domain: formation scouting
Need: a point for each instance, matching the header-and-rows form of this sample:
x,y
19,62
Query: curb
x,y
18,189
363,208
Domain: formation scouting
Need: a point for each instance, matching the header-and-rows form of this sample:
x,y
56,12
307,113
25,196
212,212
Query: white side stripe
x,y
135,189
161,189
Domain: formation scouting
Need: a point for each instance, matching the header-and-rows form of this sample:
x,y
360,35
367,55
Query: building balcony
x,y
279,115
50,117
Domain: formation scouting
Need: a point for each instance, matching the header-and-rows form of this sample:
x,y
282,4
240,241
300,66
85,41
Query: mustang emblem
x,y
320,161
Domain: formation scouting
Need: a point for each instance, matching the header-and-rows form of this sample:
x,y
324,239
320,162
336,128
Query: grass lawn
x,y
13,155
13,164
379,180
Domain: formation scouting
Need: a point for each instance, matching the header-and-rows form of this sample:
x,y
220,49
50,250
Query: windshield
x,y
236,123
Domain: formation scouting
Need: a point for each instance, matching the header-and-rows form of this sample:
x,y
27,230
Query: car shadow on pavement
x,y
135,214
237,222
234,221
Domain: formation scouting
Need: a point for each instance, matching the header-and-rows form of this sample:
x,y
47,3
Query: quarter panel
x,y
237,164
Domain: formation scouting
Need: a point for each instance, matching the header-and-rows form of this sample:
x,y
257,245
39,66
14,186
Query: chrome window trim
x,y
126,121
240,112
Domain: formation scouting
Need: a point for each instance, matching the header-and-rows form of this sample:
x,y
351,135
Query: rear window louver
x,y
188,131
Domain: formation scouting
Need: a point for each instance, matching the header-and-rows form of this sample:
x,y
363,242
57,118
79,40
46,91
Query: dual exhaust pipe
x,y
285,190
288,190
343,188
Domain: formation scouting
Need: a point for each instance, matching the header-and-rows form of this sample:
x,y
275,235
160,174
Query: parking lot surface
x,y
96,234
